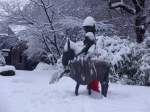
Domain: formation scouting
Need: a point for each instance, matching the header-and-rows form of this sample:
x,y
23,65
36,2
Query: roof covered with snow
x,y
17,28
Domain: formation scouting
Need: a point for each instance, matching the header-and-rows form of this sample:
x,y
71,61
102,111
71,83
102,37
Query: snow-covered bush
x,y
130,61
111,49
105,29
136,68
144,62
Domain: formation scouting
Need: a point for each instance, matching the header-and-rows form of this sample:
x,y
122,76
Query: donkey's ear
x,y
68,41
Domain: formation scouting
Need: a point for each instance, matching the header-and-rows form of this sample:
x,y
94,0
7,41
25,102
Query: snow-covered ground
x,y
31,92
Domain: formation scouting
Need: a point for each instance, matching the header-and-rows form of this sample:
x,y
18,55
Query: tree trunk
x,y
140,28
140,19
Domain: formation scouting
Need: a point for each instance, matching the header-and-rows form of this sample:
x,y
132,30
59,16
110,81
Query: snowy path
x,y
30,92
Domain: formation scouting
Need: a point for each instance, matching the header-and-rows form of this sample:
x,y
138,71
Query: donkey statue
x,y
84,71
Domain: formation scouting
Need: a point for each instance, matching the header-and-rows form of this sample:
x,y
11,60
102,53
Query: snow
x,y
90,35
3,34
145,64
42,66
6,68
30,91
5,50
89,21
116,3
112,49
17,28
75,46
147,41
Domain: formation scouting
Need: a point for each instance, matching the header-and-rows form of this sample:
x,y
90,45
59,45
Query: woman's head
x,y
89,24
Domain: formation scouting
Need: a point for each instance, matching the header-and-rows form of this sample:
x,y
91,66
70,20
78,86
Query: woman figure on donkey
x,y
90,40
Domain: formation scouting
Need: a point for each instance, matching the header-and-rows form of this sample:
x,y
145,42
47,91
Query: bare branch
x,y
49,6
124,7
45,42
137,5
52,15
37,3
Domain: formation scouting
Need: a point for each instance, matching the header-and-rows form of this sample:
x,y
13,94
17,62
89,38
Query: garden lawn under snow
x,y
31,92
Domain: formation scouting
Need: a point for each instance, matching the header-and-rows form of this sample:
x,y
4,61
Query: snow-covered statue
x,y
85,71
89,28
89,24
89,41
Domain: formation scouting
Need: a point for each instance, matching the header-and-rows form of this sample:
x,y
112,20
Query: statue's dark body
x,y
86,70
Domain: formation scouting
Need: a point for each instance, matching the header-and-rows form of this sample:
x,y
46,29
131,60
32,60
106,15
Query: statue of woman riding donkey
x,y
86,72
90,30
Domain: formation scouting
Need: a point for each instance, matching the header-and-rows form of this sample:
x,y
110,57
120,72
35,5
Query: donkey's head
x,y
68,54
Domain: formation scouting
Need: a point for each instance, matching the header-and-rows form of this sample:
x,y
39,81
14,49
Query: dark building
x,y
12,48
15,56
18,58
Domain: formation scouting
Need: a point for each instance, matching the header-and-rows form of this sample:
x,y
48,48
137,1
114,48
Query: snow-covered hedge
x,y
112,49
130,61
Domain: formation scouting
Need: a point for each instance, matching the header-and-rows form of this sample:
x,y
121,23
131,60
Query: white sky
x,y
13,1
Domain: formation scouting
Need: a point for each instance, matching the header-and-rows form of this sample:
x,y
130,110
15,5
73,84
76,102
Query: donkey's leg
x,y
104,86
77,88
89,89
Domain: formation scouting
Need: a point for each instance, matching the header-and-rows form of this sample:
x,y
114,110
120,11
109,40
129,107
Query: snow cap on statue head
x,y
89,21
